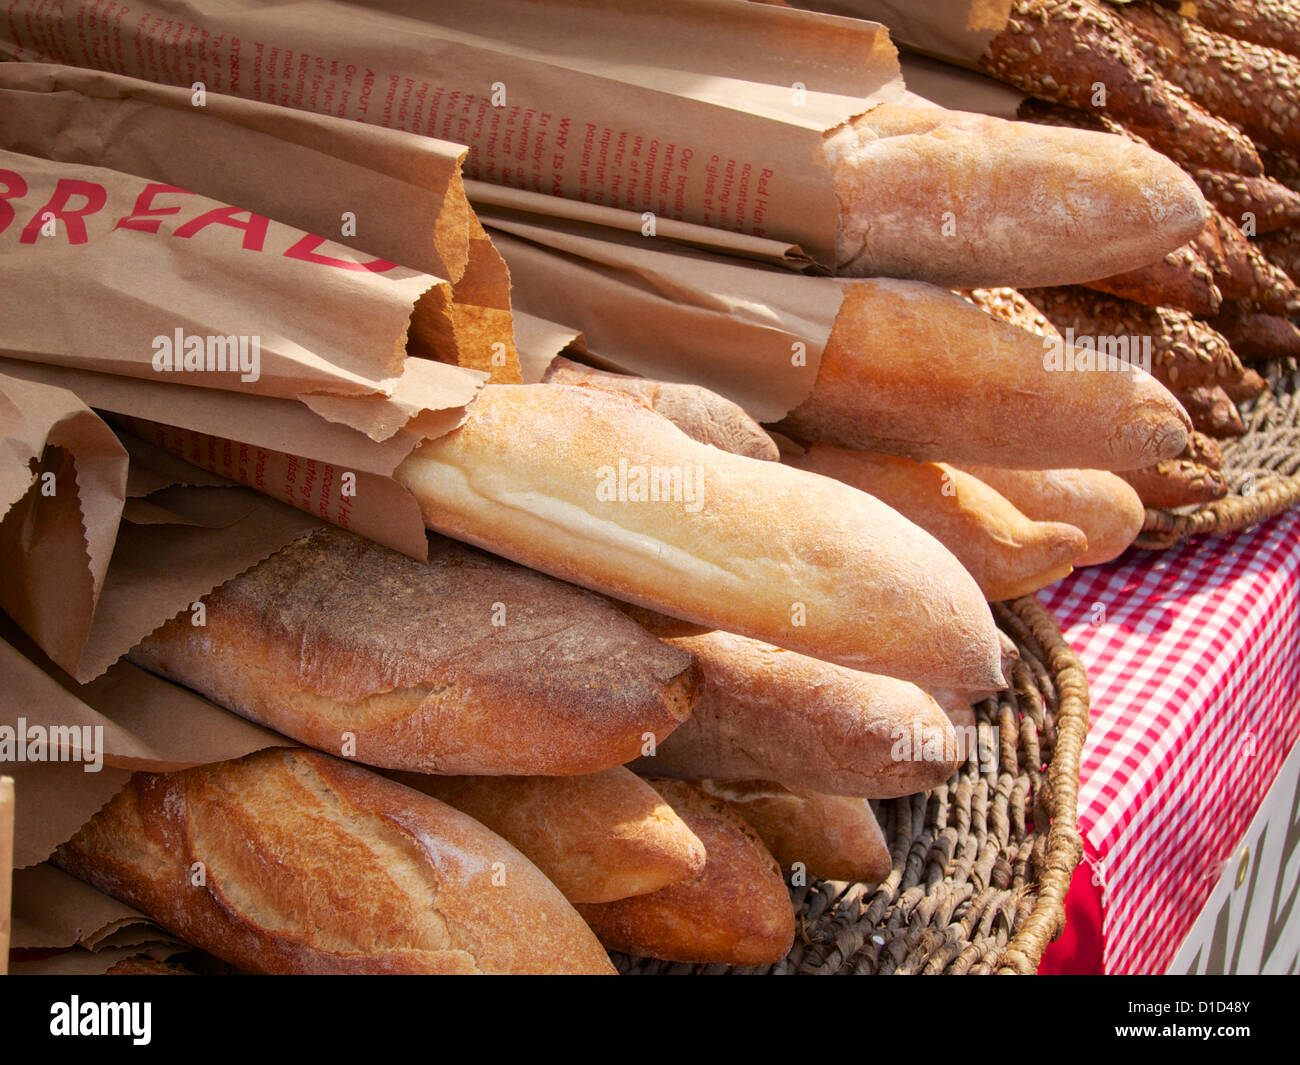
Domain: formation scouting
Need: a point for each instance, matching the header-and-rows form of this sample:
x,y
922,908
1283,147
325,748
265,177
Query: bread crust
x,y
783,555
313,865
736,911
336,637
598,837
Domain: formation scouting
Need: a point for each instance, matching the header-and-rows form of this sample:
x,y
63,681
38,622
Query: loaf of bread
x,y
1275,23
1268,203
700,413
1282,249
915,371
288,861
597,489
1178,482
769,714
1183,279
1009,203
735,911
1007,553
1211,410
1100,503
832,837
1256,336
1067,51
598,837
468,664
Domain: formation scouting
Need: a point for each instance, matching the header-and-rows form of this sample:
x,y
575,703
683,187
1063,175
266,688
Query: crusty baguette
x,y
1081,204
1270,204
598,837
1183,278
1275,23
1062,52
834,837
1282,249
547,475
466,665
1007,553
701,414
918,372
1257,336
769,714
735,910
1212,410
1100,503
288,861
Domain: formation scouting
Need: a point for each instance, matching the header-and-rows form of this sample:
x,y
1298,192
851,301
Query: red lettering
x,y
139,218
15,188
73,221
305,250
254,228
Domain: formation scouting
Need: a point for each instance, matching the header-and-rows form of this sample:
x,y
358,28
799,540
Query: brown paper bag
x,y
957,31
706,111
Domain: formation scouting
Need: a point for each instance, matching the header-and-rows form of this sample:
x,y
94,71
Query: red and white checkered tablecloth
x,y
1193,657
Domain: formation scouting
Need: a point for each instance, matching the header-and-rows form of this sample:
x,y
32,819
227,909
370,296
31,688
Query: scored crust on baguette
x,y
1100,503
1007,553
313,865
1002,202
468,664
834,837
917,371
598,837
753,547
735,911
769,714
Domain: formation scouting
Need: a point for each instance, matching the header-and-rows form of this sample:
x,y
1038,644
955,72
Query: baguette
x,y
736,911
1062,51
1007,553
699,413
833,837
1081,205
914,371
1257,336
1100,503
466,665
1274,23
1212,410
1282,249
1177,483
597,837
1269,203
288,861
1183,278
769,714
536,473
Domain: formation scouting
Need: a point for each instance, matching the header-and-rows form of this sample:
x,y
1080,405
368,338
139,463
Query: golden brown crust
x,y
967,200
834,837
544,474
769,714
701,414
1008,554
1257,336
1269,203
1100,503
1183,278
598,837
914,371
468,664
736,911
287,861
1177,483
1212,410
1061,51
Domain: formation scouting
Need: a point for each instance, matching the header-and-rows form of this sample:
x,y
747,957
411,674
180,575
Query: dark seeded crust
x,y
338,635
1282,249
1275,23
1212,411
1059,51
1257,336
312,865
1177,483
736,911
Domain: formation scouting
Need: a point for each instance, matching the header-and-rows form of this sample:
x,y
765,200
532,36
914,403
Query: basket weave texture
x,y
981,863
1262,468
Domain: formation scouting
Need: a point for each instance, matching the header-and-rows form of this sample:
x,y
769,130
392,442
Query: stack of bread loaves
x,y
1213,86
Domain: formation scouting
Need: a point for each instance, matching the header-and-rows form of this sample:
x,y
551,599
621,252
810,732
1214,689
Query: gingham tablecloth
x,y
1193,658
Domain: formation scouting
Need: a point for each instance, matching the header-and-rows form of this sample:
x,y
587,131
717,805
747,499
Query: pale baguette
x,y
598,837
769,714
915,371
967,200
1007,553
543,474
288,861
735,910
468,664
1100,503
833,837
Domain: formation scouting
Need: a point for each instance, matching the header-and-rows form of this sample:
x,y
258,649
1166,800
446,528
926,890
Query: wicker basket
x,y
1262,468
982,863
